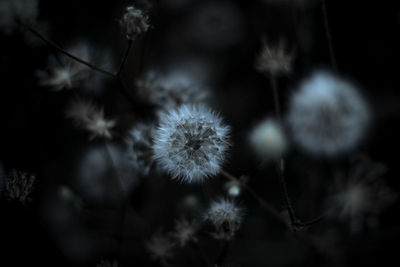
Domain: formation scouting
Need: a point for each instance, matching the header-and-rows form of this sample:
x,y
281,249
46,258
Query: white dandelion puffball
x,y
268,139
327,115
190,143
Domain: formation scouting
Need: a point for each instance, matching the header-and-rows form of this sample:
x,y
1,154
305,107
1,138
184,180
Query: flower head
x,y
88,116
19,186
190,143
160,247
268,139
274,60
185,231
327,115
134,22
226,217
13,12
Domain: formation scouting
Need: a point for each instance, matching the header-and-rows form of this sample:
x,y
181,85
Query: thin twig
x,y
125,58
63,51
328,35
265,205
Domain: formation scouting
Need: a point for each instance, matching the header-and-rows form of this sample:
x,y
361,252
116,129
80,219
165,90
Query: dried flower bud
x,y
274,60
86,115
134,22
226,217
19,186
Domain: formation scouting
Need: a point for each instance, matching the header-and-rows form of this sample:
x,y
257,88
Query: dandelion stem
x,y
63,51
265,205
125,58
328,35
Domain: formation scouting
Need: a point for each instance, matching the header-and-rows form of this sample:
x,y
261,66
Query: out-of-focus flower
x,y
361,195
139,146
233,188
170,90
226,217
268,139
86,115
13,13
190,143
185,231
160,248
134,22
327,115
274,60
64,72
19,186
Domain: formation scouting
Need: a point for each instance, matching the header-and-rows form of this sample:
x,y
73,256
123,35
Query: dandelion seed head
x,y
13,12
226,217
274,60
190,143
19,186
185,231
134,22
268,139
327,115
160,247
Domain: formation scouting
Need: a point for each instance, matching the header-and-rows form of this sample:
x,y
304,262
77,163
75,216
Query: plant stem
x,y
265,205
125,58
328,35
63,51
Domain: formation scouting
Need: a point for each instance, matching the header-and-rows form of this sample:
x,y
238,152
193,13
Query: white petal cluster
x,y
13,12
226,217
268,139
170,90
134,22
190,143
139,144
90,117
327,115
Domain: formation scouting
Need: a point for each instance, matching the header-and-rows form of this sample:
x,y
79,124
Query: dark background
x,y
37,138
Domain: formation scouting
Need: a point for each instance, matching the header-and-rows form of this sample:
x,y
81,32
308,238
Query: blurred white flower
x,y
134,22
160,248
268,139
14,12
88,116
361,195
190,143
274,60
327,115
185,231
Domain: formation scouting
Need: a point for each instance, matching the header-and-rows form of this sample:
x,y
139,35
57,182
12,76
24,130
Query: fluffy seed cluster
x,y
274,60
160,248
65,73
19,186
226,217
14,12
362,194
107,263
190,143
134,22
185,231
139,143
170,90
327,115
268,139
90,117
